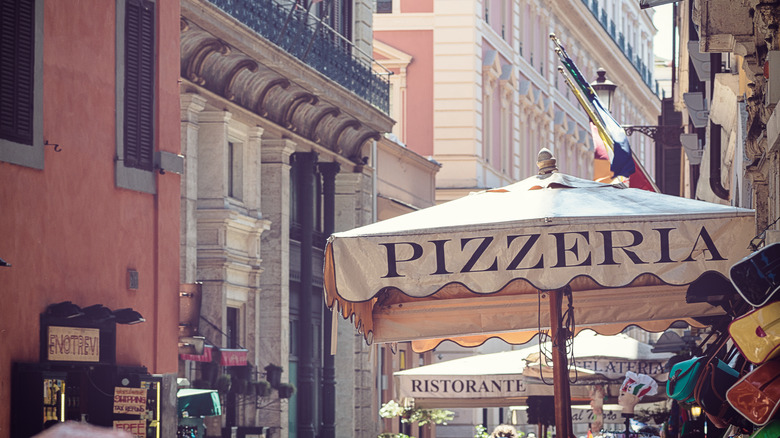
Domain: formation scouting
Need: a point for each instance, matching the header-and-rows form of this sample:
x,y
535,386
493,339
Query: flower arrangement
x,y
413,415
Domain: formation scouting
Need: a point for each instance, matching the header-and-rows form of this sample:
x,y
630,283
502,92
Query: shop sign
x,y
491,386
136,428
578,416
205,357
612,368
232,357
586,416
129,400
74,344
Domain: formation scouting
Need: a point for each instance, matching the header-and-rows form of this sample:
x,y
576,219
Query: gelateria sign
x,y
463,386
613,368
73,344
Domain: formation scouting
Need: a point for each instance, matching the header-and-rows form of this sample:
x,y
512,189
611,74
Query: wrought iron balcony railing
x,y
309,39
609,27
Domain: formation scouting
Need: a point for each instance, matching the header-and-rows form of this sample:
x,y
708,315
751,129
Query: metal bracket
x,y
668,134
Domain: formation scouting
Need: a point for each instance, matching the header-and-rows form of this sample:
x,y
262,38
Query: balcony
x,y
619,39
316,44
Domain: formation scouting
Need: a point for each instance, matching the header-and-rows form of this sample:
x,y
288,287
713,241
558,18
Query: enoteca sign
x,y
73,344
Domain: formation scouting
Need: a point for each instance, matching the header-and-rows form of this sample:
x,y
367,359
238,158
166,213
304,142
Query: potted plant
x,y
286,390
273,373
262,388
239,385
201,384
224,383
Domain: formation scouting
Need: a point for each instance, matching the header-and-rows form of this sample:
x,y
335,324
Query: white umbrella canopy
x,y
508,378
478,266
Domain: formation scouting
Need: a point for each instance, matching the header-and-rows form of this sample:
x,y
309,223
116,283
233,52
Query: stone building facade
x,y
727,89
281,111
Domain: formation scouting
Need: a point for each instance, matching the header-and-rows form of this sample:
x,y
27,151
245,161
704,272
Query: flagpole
x,y
286,22
622,162
593,118
316,31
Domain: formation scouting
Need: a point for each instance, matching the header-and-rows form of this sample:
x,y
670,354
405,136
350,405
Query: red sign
x,y
230,358
136,428
205,357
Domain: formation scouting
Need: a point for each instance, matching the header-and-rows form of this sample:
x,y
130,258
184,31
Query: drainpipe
x,y
715,130
715,183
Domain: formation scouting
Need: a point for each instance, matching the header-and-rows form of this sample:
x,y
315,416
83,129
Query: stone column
x,y
274,299
212,192
212,159
328,401
253,172
191,106
304,165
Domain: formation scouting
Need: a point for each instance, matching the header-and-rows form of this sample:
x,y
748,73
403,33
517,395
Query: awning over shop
x,y
232,357
507,378
198,403
205,357
479,266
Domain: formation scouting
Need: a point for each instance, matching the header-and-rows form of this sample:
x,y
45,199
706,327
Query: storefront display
x,y
77,378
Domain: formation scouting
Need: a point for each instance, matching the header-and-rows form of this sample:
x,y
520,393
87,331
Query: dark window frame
x,y
25,148
136,92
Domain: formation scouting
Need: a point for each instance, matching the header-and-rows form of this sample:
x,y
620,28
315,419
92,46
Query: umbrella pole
x,y
563,424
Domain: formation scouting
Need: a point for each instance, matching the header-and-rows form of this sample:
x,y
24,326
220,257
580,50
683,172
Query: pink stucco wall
x,y
68,231
410,6
419,77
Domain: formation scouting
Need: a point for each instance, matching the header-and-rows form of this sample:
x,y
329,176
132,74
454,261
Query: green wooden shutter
x,y
139,84
17,54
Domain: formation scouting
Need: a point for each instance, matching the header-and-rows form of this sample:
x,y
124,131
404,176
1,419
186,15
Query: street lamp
x,y
604,88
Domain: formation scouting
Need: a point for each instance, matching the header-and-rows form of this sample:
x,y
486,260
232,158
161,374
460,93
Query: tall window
x,y
338,15
235,173
21,84
136,64
231,324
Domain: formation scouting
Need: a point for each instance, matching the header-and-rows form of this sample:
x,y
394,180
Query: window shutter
x,y
17,50
139,84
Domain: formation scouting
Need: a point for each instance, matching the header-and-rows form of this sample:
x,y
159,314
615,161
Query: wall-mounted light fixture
x,y
128,316
97,313
65,309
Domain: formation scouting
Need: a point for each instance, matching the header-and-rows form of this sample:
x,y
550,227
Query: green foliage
x,y
201,384
422,417
224,383
656,416
541,410
262,388
483,433
286,390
